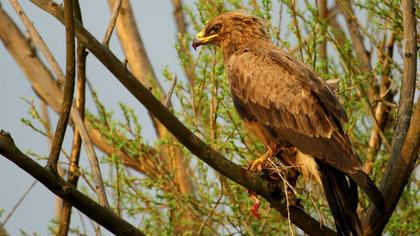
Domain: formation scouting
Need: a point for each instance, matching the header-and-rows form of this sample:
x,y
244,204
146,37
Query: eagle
x,y
286,105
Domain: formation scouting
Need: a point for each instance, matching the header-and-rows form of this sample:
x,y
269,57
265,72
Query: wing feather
x,y
287,98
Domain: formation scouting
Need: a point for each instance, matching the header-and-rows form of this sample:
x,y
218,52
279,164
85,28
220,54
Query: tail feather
x,y
342,199
367,185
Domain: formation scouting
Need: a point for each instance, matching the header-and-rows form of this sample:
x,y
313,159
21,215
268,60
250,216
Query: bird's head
x,y
230,30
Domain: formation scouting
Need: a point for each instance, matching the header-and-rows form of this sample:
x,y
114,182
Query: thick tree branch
x,y
227,168
60,187
405,145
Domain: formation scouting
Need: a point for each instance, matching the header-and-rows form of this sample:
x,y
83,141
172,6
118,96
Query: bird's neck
x,y
229,48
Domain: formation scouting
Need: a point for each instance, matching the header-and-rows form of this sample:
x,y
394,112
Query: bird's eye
x,y
214,29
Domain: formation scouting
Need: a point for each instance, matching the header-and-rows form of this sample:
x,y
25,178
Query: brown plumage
x,y
285,104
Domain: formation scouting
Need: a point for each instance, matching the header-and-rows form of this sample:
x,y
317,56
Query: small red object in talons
x,y
256,206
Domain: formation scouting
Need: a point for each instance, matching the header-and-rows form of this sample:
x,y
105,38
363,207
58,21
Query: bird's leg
x,y
258,164
256,205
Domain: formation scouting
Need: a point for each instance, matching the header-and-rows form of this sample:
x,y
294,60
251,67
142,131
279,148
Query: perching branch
x,y
405,145
60,187
227,168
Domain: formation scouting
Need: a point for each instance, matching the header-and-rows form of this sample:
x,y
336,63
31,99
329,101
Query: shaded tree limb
x,y
247,179
396,177
60,187
405,145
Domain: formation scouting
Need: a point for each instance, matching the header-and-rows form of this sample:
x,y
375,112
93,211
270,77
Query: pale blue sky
x,y
154,18
157,28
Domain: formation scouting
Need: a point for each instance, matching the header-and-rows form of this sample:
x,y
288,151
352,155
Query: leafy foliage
x,y
147,192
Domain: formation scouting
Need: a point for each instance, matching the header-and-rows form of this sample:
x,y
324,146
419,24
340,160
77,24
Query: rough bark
x,y
60,187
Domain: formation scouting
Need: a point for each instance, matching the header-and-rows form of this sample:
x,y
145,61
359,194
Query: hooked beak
x,y
201,40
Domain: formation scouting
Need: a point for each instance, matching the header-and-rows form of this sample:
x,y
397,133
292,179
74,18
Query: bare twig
x,y
38,40
184,48
73,172
405,145
323,14
63,120
227,168
18,203
212,210
171,90
111,24
356,25
57,185
132,44
356,36
382,109
297,28
371,113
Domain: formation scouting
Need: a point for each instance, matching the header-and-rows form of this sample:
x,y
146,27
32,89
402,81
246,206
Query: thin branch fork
x,y
227,168
66,191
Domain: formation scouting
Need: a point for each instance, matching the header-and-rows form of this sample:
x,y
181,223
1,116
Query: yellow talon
x,y
258,164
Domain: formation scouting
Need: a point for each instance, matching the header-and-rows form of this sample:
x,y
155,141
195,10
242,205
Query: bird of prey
x,y
285,104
